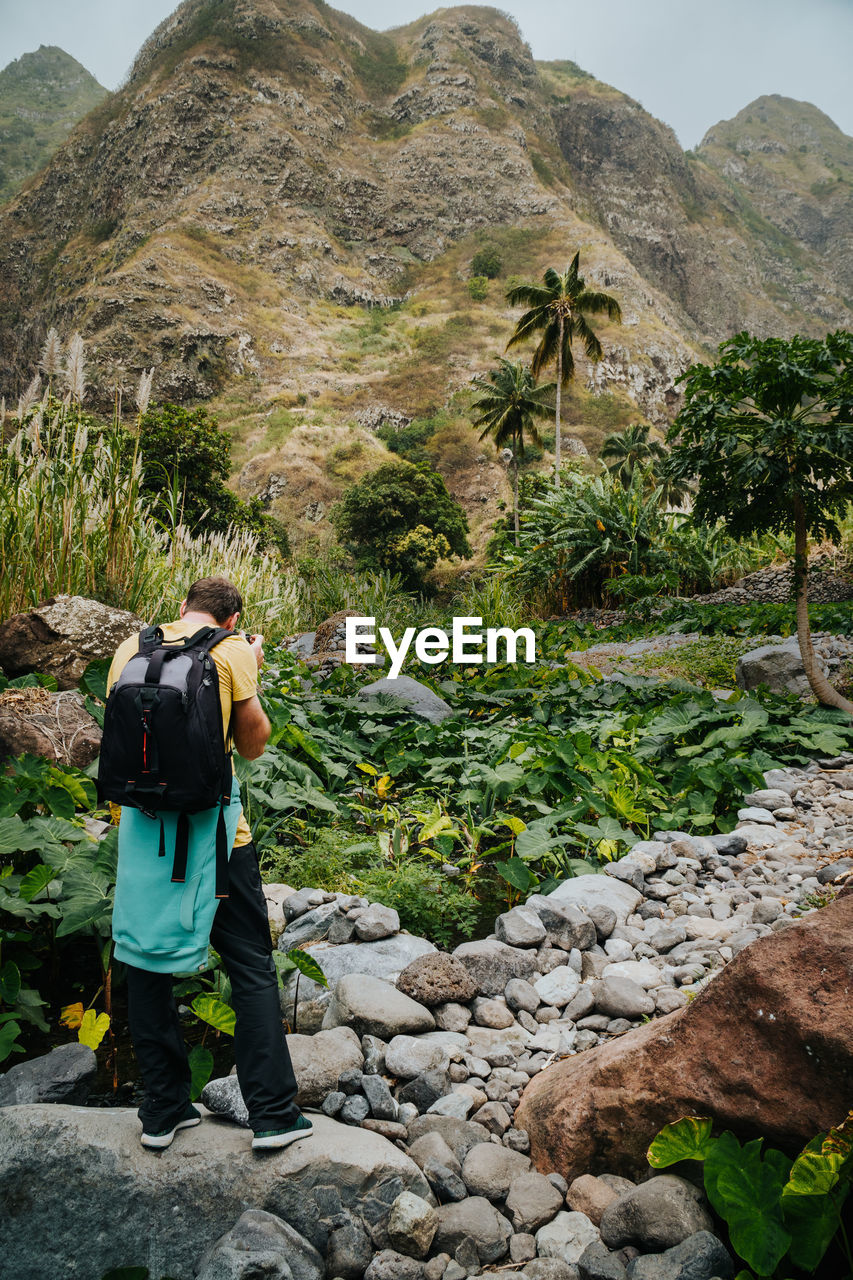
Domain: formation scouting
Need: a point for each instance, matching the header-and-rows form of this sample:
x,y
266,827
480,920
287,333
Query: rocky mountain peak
x,y
773,123
42,96
267,157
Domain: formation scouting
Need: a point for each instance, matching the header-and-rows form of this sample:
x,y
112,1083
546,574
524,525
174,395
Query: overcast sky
x,y
690,62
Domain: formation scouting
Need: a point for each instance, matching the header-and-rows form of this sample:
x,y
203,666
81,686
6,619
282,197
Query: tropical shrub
x,y
186,461
409,441
401,517
765,432
576,539
487,262
56,881
601,540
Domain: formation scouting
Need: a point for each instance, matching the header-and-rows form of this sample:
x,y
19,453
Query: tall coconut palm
x,y
557,310
507,409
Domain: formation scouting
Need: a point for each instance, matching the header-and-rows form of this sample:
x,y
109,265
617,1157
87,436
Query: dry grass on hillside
x,y
299,419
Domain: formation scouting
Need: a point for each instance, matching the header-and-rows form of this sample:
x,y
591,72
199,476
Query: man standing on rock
x,y
162,926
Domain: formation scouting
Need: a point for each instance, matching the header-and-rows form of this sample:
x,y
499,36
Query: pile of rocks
x,y
325,649
428,1054
830,580
435,1050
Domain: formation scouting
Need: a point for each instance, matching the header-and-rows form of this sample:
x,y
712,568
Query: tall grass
x,y
377,595
274,600
72,520
495,598
70,515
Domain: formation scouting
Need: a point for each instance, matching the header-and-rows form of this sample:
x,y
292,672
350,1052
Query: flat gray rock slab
x,y
60,1166
386,959
599,891
414,698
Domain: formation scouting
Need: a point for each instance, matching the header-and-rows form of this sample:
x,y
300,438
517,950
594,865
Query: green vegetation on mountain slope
x,y
42,96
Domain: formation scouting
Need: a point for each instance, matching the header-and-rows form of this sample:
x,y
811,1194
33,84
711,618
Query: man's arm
x,y
250,727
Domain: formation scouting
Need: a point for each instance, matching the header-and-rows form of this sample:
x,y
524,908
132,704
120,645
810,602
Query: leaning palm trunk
x,y
515,485
557,441
818,683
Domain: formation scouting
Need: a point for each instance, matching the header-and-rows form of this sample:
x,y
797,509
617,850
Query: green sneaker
x,y
269,1139
163,1137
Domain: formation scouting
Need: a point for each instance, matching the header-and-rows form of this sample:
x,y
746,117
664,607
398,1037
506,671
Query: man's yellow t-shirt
x,y
236,667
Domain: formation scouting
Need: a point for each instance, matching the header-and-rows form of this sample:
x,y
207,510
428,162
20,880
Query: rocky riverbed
x,y
422,1057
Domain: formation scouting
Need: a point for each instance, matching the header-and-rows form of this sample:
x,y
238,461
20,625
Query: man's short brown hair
x,y
216,596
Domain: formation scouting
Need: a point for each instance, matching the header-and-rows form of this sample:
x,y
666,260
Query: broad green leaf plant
x,y
781,1214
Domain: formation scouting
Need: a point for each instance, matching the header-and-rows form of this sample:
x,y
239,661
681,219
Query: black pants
x,y
241,936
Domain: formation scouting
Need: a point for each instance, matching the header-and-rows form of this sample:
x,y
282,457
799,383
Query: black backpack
x,y
163,746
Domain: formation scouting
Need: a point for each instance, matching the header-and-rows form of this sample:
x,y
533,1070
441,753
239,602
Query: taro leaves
x,y
216,1013
774,1209
745,1190
815,1192
201,1069
687,1139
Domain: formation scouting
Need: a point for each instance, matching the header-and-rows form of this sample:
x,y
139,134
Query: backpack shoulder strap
x,y
150,638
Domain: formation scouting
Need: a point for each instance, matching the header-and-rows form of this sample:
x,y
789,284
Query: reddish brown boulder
x,y
766,1049
56,726
62,636
436,978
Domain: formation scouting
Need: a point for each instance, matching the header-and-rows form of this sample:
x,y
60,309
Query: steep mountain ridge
x,y
42,96
716,234
795,166
269,161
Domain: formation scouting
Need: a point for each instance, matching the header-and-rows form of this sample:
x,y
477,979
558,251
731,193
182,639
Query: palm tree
x,y
557,310
622,451
507,408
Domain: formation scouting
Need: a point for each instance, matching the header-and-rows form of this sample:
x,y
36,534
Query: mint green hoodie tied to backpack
x,y
158,925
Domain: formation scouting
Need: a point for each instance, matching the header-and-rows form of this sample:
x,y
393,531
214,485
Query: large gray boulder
x,y
372,1006
413,697
492,964
477,1220
320,1059
700,1257
65,1074
590,891
60,1165
779,666
656,1214
62,636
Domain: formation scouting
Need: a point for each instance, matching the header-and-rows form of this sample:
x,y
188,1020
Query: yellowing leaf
x,y
434,824
515,825
599,526
71,1015
384,786
93,1028
368,769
